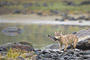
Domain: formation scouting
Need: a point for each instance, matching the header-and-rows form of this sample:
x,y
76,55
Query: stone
x,y
16,45
27,5
39,13
85,3
20,58
44,52
16,11
84,45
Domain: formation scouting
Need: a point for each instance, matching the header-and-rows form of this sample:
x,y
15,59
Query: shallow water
x,y
36,32
43,22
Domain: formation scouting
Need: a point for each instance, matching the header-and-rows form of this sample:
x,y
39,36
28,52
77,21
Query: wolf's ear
x,y
60,32
55,33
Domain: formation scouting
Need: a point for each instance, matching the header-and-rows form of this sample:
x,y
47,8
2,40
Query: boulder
x,y
18,45
83,34
84,45
16,11
85,3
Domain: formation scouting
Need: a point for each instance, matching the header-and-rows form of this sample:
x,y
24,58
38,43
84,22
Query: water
x,y
76,23
36,31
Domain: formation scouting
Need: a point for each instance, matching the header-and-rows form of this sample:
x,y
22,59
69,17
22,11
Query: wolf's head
x,y
58,35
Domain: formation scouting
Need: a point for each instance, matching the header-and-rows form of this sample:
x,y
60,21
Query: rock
x,y
83,34
17,45
81,17
59,19
70,54
16,11
27,5
70,3
45,4
74,32
54,12
84,45
37,4
85,3
20,58
25,43
52,46
3,3
39,13
23,47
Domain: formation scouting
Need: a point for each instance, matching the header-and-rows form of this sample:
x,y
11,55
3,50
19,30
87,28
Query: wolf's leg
x,y
60,47
75,43
65,47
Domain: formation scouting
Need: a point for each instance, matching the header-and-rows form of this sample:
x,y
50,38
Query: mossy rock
x,y
25,43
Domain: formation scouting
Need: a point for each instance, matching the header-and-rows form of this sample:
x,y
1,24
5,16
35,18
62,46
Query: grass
x,y
13,54
56,5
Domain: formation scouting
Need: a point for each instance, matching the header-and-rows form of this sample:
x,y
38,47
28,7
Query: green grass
x,y
57,5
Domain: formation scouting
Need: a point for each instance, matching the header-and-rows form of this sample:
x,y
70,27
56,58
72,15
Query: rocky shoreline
x,y
48,53
68,55
25,51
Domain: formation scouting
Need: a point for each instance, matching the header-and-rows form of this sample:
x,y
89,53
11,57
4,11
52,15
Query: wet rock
x,y
17,45
60,19
70,3
25,43
52,46
23,47
20,58
84,45
80,21
74,32
39,13
54,12
44,52
72,18
85,3
83,34
16,11
81,17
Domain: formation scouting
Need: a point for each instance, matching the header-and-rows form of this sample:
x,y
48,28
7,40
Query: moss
x,y
26,43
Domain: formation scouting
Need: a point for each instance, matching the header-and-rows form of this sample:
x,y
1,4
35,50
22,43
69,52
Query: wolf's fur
x,y
66,40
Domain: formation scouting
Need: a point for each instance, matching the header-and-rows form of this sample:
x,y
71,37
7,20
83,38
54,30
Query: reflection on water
x,y
36,34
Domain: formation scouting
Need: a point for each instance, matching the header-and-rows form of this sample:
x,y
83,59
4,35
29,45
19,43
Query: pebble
x,y
70,54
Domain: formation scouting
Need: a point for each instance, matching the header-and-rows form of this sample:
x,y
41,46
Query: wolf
x,y
66,40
